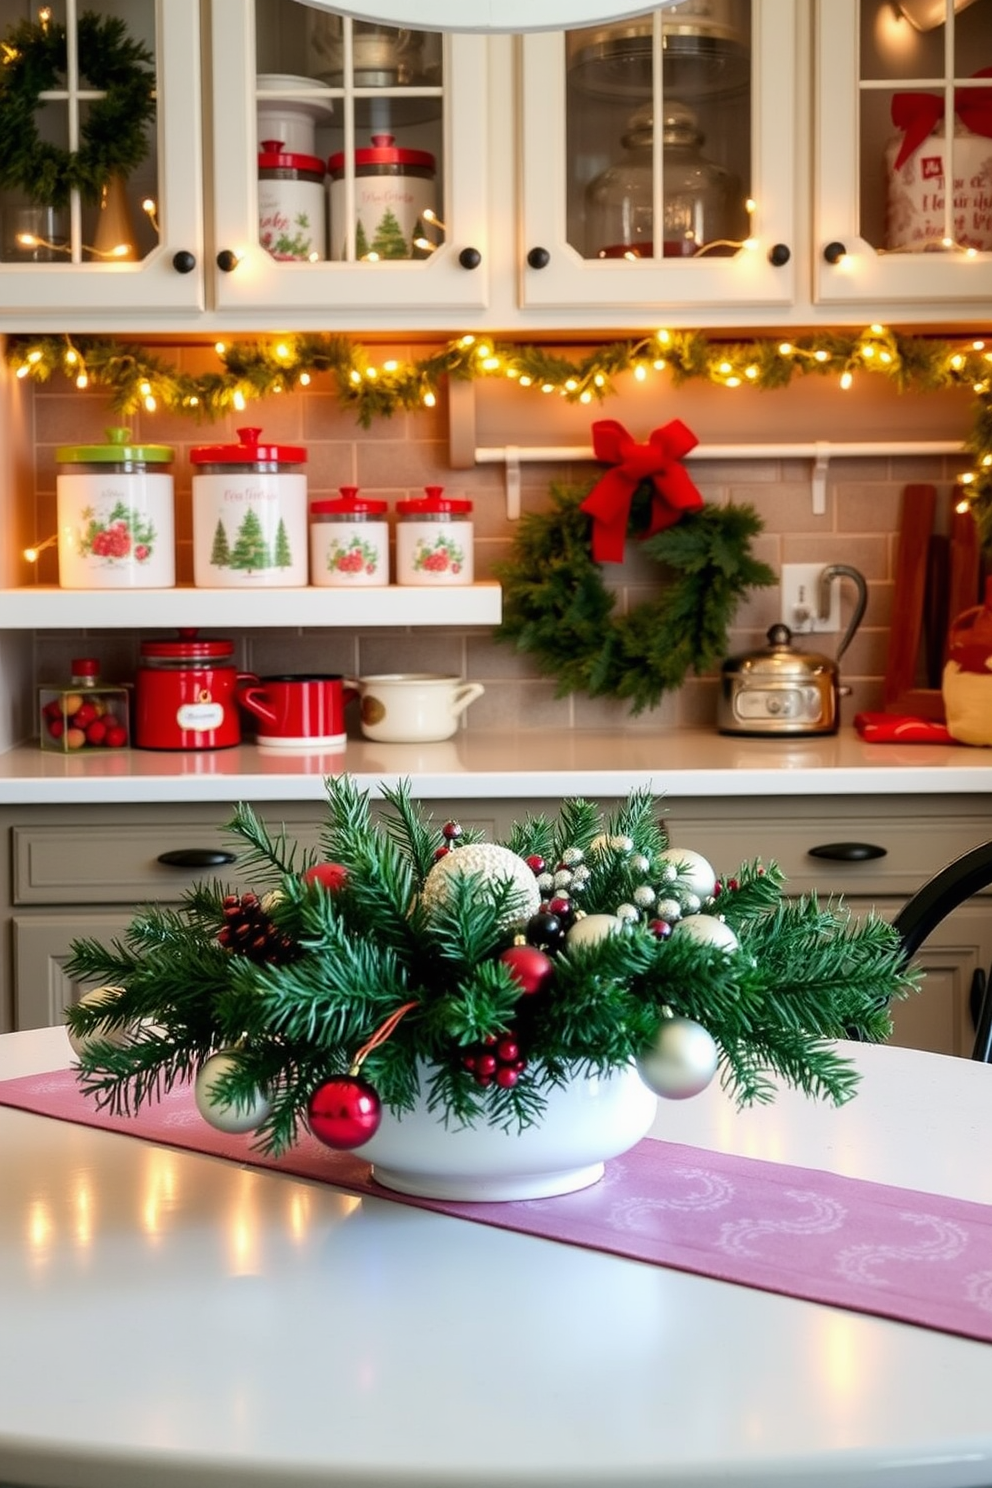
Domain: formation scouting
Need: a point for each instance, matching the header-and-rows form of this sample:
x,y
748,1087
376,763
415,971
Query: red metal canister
x,y
186,694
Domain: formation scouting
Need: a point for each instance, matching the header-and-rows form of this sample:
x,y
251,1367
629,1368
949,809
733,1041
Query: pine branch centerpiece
x,y
405,963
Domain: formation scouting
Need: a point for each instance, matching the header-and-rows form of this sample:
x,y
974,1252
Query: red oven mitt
x,y
900,728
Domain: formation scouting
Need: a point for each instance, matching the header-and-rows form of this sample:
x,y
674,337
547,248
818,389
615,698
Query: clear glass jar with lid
x,y
702,207
86,714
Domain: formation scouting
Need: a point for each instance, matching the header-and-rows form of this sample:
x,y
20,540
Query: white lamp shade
x,y
489,15
926,14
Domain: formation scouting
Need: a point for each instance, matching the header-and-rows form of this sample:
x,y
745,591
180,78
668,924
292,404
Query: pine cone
x,y
249,931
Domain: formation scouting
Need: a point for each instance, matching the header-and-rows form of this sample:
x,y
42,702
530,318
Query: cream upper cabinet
x,y
349,164
138,241
902,107
658,160
766,164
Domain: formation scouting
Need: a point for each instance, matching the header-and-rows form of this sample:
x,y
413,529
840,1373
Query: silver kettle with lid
x,y
781,690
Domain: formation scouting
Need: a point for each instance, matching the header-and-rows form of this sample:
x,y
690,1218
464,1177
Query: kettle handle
x,y
838,571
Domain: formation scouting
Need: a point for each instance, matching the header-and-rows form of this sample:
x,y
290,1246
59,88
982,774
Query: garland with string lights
x,y
408,959
33,60
139,379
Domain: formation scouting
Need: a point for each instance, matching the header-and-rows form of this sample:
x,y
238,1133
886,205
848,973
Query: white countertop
x,y
526,763
173,1319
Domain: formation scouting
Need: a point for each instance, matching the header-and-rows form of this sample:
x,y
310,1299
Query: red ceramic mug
x,y
295,711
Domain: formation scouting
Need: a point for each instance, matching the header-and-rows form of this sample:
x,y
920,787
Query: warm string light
x,y
31,240
150,210
31,554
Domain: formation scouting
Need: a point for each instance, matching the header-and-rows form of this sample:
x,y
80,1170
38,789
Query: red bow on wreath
x,y
608,503
918,114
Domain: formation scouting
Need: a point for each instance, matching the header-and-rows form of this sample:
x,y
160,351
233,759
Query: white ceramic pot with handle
x,y
413,707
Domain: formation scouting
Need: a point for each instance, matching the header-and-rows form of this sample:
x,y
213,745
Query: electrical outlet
x,y
801,598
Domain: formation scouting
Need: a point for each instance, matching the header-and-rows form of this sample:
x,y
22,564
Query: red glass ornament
x,y
529,966
344,1112
332,875
535,863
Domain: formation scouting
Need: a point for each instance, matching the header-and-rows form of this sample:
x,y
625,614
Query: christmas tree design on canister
x,y
249,514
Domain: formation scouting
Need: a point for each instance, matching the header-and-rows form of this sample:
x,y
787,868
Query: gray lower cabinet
x,y
82,871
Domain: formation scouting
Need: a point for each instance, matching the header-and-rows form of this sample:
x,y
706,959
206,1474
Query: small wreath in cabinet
x,y
33,61
557,608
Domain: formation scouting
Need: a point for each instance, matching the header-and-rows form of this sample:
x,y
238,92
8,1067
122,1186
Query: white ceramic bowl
x,y
592,1119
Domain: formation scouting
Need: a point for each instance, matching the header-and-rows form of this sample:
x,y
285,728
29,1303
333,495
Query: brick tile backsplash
x,y
398,456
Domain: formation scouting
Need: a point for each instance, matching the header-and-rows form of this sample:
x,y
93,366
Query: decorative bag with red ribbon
x,y
917,169
658,462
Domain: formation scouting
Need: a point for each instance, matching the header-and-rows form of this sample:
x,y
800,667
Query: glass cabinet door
x,y
904,168
355,176
655,170
100,184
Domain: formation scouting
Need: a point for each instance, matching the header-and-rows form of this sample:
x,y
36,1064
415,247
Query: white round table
x,y
171,1319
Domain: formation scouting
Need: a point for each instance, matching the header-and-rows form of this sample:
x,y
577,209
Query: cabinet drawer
x,y
915,844
120,863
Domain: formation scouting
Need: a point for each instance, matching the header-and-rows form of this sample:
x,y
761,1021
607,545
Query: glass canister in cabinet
x,y
249,514
434,538
349,542
84,714
292,204
702,209
116,514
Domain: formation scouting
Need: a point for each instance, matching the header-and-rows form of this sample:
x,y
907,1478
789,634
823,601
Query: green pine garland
x,y
557,607
112,128
349,957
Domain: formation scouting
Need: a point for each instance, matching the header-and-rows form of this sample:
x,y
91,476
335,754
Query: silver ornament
x,y
219,1113
592,928
692,870
571,856
545,881
492,864
691,904
644,896
580,874
622,843
708,930
640,863
681,1062
563,878
668,909
105,1032
627,912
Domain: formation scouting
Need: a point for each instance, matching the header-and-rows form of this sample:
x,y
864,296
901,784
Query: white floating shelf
x,y
313,608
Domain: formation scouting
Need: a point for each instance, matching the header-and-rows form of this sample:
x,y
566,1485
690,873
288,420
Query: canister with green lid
x,y
116,514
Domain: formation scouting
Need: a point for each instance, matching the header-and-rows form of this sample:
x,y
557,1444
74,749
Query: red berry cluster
x,y
351,562
249,931
113,541
496,1061
78,722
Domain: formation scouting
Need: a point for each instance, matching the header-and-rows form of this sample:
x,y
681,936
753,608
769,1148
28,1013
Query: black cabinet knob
x,y
184,262
834,252
847,852
196,857
539,258
779,255
470,258
227,260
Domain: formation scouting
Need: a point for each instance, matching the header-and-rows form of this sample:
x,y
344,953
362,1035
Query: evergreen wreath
x,y
408,948
34,61
557,608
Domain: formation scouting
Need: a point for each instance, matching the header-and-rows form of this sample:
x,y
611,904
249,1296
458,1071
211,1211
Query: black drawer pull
x,y
196,857
847,852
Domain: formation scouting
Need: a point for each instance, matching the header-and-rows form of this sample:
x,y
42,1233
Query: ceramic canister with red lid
x,y
185,694
349,542
434,536
292,206
393,189
249,514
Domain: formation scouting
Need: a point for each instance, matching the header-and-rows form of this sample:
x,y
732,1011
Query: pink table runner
x,y
915,1257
